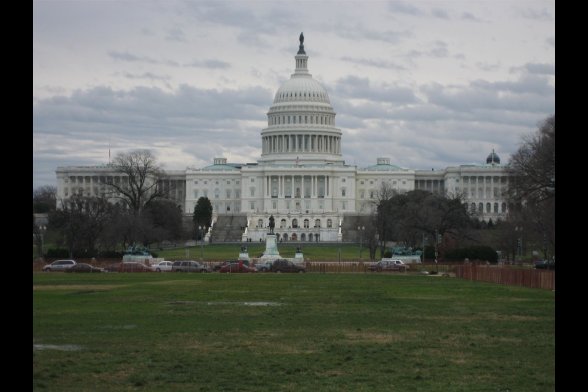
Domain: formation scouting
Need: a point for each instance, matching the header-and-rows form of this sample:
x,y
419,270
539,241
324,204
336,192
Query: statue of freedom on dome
x,y
301,38
301,47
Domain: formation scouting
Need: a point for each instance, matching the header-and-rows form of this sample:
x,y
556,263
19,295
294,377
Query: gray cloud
x,y
374,63
175,34
550,41
361,88
404,8
146,75
470,17
540,68
211,63
126,56
360,32
542,14
439,13
439,49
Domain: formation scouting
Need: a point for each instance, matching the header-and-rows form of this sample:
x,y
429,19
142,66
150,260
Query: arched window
x,y
496,208
316,237
317,223
285,237
473,209
310,237
503,208
294,223
302,237
260,223
294,237
283,224
329,223
488,208
306,224
277,236
481,208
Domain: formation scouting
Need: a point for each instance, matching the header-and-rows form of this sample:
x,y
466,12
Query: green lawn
x,y
321,332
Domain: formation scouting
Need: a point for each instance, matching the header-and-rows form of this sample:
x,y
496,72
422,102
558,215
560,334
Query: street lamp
x,y
41,234
201,232
338,243
519,229
360,229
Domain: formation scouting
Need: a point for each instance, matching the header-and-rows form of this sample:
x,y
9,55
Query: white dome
x,y
302,88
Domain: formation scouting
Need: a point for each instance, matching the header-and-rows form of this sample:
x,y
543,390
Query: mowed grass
x,y
281,332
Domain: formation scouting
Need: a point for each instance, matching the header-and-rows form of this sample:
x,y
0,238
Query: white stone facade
x,y
301,178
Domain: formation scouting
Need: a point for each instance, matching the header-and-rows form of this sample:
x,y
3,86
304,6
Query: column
x,y
326,186
292,186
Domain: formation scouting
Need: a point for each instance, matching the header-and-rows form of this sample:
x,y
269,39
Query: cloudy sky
x,y
427,83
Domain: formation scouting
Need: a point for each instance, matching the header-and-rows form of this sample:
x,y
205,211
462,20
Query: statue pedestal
x,y
271,249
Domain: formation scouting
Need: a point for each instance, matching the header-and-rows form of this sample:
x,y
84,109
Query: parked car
x,y
236,268
189,266
283,265
162,266
134,267
545,264
389,265
263,266
83,267
59,265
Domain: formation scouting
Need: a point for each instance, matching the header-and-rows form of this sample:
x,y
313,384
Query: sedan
x,y
237,267
134,267
162,266
83,267
545,264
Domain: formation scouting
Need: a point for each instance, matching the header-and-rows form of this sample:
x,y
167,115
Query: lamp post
x,y
201,232
519,235
339,243
360,229
41,234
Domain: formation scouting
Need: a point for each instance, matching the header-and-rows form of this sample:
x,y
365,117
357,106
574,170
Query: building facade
x,y
301,178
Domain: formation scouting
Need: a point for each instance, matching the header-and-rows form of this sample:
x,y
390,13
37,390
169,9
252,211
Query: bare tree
x,y
532,193
44,199
140,185
81,221
533,166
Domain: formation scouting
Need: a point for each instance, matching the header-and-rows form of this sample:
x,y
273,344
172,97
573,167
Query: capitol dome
x,y
302,89
493,158
301,121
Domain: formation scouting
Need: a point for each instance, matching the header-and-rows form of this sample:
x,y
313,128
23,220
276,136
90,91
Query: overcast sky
x,y
427,83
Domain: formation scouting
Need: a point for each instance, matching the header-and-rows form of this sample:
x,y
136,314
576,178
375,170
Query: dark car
x,y
134,267
236,268
263,266
189,266
282,265
388,265
545,264
83,267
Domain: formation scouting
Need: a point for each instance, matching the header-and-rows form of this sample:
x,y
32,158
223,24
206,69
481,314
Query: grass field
x,y
280,332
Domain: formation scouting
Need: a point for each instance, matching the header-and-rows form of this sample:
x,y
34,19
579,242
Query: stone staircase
x,y
228,228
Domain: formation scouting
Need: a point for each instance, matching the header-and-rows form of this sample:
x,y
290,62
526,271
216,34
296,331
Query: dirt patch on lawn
x,y
78,287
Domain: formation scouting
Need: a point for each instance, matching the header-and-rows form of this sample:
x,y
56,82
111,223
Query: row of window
x,y
489,206
217,193
282,120
293,224
216,182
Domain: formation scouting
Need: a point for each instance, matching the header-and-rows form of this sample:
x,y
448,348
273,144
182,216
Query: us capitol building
x,y
301,178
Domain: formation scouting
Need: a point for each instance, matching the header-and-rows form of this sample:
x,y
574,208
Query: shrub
x,y
387,254
481,252
58,253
